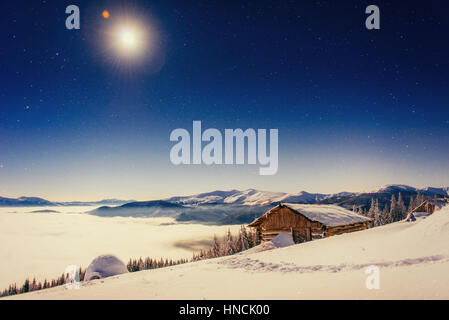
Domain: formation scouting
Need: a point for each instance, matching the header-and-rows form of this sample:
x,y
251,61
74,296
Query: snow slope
x,y
413,259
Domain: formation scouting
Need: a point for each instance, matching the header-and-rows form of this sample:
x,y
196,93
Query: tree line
x,y
34,285
395,210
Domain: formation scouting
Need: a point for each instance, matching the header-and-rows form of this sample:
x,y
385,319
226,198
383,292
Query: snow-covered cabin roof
x,y
329,215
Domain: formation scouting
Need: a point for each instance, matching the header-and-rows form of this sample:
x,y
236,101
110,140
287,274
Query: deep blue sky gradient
x,y
355,109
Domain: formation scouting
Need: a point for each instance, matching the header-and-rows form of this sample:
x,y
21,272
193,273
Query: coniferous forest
x,y
395,210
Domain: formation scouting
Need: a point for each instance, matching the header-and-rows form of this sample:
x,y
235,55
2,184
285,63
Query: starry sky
x,y
356,109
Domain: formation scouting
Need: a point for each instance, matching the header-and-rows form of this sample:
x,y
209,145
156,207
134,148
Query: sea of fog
x,y
43,244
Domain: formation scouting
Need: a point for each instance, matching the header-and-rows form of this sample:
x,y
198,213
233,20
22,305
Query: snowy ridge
x,y
36,202
252,197
249,197
430,191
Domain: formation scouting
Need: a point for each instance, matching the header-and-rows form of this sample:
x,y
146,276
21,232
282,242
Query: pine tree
x,y
385,215
362,211
238,241
419,200
401,208
244,238
33,285
216,247
13,289
26,286
377,214
228,244
393,208
371,212
411,204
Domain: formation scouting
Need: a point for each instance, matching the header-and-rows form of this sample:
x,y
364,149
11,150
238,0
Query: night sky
x,y
356,109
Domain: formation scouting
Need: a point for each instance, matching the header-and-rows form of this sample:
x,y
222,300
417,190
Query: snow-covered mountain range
x,y
249,197
39,202
253,197
234,206
240,207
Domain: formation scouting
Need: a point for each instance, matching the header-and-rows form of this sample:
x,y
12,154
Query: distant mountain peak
x,y
430,191
394,187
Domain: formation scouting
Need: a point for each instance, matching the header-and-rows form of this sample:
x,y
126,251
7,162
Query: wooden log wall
x,y
284,217
425,207
332,231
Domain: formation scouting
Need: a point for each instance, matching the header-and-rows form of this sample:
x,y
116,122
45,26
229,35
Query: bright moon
x,y
129,40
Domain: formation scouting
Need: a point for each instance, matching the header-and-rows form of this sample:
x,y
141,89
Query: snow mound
x,y
104,266
283,239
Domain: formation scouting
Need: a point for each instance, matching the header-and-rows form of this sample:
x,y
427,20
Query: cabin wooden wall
x,y
332,231
425,207
285,220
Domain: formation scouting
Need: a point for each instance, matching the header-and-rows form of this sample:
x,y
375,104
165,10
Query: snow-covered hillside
x,y
413,259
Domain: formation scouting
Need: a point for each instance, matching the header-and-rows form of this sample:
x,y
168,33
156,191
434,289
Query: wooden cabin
x,y
308,222
430,206
426,208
